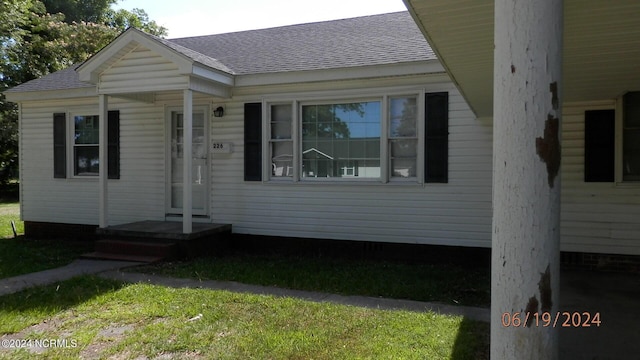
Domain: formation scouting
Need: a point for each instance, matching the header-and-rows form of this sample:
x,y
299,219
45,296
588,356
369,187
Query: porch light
x,y
218,112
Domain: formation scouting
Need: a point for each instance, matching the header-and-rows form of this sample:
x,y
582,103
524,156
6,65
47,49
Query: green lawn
x,y
107,319
21,256
446,283
10,212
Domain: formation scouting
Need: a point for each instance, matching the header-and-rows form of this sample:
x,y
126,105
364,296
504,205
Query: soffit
x,y
601,58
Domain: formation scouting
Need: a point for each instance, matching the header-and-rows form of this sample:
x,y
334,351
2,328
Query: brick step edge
x,y
136,248
123,257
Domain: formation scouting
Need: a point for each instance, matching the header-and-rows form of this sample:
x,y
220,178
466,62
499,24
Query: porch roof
x,y
601,58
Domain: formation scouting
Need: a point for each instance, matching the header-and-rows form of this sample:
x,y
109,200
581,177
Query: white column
x,y
526,178
187,174
103,109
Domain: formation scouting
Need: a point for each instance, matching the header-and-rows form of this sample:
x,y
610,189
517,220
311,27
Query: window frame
x,y
617,105
298,147
620,135
298,101
71,143
420,138
269,140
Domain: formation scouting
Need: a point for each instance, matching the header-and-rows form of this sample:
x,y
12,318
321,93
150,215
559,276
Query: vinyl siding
x,y
142,70
457,213
138,195
596,217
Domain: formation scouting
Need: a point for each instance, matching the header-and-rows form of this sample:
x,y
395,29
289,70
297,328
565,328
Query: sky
x,y
186,18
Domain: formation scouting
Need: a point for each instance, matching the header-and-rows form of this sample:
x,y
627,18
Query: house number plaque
x,y
221,148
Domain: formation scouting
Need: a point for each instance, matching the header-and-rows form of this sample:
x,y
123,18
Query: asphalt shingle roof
x,y
370,40
363,41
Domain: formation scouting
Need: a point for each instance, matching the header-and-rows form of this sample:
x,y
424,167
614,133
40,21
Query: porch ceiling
x,y
601,58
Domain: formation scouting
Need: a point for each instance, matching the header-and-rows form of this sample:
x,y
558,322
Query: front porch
x,y
152,241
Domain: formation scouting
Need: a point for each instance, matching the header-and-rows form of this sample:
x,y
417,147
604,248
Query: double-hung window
x,y
281,142
76,138
85,153
403,136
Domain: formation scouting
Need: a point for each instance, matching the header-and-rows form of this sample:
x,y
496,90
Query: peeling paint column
x,y
526,182
103,176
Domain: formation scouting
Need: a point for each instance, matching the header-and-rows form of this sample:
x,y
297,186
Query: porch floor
x,y
169,231
151,241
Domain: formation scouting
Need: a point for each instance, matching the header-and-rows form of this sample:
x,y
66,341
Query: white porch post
x,y
103,109
526,179
188,162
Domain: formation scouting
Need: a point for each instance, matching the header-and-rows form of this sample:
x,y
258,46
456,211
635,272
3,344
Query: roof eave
x,y
20,96
345,73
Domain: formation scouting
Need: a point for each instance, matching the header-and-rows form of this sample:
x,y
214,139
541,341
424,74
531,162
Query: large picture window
x,y
399,138
341,140
85,145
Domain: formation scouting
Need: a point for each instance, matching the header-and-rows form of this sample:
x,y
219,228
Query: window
x,y
631,137
403,136
599,145
341,140
281,143
79,138
85,145
396,138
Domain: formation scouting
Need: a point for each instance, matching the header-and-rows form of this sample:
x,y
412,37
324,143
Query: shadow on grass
x,y
32,306
446,283
22,256
472,341
9,192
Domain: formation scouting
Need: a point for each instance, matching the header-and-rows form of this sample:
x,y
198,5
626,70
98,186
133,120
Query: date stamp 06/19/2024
x,y
574,319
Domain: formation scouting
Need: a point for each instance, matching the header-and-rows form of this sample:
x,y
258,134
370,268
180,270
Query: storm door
x,y
200,174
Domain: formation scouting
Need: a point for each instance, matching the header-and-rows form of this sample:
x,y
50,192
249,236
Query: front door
x,y
200,153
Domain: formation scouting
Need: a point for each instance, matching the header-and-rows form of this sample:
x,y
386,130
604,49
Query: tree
x,y
80,10
38,38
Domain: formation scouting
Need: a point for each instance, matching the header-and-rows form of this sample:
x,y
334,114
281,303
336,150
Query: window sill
x,y
628,185
346,182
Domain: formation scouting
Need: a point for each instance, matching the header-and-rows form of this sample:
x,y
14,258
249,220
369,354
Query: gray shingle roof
x,y
369,40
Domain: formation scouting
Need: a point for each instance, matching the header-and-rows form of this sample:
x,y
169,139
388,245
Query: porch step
x,y
161,239
122,257
133,250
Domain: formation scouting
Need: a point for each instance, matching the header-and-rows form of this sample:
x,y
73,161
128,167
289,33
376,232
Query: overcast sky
x,y
204,17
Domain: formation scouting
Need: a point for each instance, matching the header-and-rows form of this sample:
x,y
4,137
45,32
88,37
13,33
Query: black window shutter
x,y
599,145
436,137
59,145
253,142
113,145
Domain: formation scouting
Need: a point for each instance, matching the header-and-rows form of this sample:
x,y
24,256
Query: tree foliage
x,y
41,37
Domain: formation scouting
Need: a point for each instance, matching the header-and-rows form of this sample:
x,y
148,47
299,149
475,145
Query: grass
x,y
21,256
446,283
10,211
107,319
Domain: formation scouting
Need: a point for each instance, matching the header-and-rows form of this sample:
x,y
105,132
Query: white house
x,y
346,130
